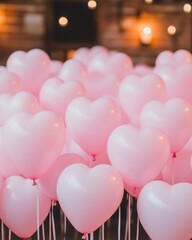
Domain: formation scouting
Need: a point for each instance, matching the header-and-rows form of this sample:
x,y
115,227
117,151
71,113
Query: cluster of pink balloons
x,y
87,129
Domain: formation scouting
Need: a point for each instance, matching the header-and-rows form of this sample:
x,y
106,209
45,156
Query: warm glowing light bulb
x,y
147,30
171,30
149,1
92,4
187,7
63,21
146,35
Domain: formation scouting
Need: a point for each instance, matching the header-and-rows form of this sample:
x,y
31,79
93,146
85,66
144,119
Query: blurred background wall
x,y
140,28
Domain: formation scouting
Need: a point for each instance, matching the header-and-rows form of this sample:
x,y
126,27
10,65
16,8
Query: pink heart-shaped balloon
x,y
89,123
20,102
89,196
73,70
34,142
18,206
177,80
7,168
138,154
173,58
49,180
99,85
173,116
178,169
165,211
111,62
9,82
33,67
55,94
136,91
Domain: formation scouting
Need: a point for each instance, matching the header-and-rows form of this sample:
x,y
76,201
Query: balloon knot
x,y
174,155
94,158
54,202
34,183
84,236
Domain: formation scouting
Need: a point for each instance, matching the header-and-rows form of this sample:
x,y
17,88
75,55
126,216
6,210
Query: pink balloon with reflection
x,y
18,206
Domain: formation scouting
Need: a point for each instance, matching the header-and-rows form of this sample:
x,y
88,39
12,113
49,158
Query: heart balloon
x,y
18,206
55,94
89,196
7,168
49,180
165,211
73,70
111,62
173,116
178,169
9,82
131,153
173,58
89,123
56,66
20,102
177,80
136,91
34,142
33,67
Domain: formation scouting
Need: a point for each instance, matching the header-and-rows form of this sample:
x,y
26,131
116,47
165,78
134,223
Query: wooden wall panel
x,y
120,29
22,27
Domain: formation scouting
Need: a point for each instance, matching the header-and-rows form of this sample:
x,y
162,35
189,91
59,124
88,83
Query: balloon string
x,y
173,168
2,231
53,221
62,223
9,234
43,231
103,231
119,224
137,232
65,227
129,217
126,224
38,212
50,228
92,236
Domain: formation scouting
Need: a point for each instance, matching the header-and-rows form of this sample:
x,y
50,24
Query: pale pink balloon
x,y
99,85
85,55
177,80
89,196
71,146
174,58
90,122
33,67
55,94
139,154
117,63
178,169
165,58
165,211
7,167
20,102
73,70
82,54
10,82
49,180
136,91
142,69
18,206
56,66
34,142
173,116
